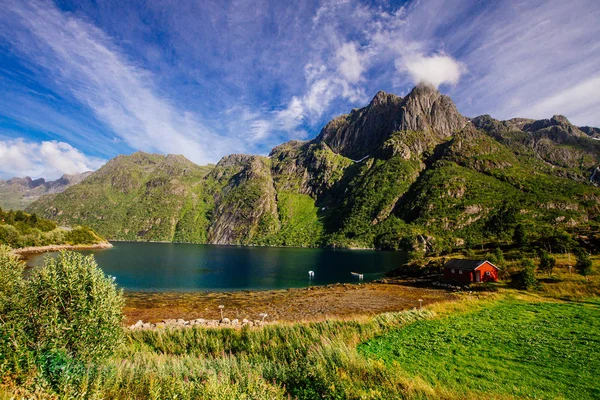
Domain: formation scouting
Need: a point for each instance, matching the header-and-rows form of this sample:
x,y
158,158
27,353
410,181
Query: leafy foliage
x,y
583,265
81,312
66,315
547,262
19,229
525,277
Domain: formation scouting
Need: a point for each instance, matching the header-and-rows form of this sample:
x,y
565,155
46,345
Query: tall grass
x,y
303,360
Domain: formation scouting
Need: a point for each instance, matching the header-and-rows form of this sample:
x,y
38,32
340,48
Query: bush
x,y
525,278
81,235
547,262
81,308
9,235
64,317
14,354
584,263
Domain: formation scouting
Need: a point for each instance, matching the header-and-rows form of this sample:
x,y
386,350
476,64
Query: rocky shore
x,y
316,303
26,251
209,323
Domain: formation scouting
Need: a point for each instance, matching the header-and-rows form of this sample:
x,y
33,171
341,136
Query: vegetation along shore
x,y
490,341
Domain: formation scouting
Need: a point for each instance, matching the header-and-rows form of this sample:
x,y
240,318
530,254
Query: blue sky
x,y
83,81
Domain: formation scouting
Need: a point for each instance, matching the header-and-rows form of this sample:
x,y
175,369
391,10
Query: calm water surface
x,y
191,267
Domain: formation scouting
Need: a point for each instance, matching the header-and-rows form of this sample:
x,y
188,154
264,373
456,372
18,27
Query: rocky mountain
x,y
407,172
18,193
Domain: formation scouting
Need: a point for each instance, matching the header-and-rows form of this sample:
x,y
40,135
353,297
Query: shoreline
x,y
29,251
256,245
315,303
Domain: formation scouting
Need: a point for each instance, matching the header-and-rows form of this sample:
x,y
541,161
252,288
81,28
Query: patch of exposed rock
x,y
362,132
181,323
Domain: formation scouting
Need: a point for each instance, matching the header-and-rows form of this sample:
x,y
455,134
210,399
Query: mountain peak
x,y
364,130
382,98
424,88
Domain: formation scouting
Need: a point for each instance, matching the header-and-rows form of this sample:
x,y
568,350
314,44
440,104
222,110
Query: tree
x,y
499,255
547,262
503,219
20,216
520,236
584,263
525,278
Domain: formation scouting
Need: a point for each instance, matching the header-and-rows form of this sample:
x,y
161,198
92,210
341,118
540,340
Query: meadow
x,y
491,344
509,347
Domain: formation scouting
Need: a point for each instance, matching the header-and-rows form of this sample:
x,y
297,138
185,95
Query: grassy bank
x,y
307,361
502,344
494,346
507,348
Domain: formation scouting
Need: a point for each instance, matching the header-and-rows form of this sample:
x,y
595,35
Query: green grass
x,y
513,348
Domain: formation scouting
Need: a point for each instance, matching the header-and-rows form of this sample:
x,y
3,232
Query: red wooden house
x,y
470,271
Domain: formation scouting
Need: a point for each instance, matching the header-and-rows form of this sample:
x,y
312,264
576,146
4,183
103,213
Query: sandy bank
x,y
26,251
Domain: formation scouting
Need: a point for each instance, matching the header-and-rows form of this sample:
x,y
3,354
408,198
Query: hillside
x,y
18,193
409,173
20,230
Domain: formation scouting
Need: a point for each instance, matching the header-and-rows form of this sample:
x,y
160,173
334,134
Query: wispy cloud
x,y
48,160
219,76
85,61
523,56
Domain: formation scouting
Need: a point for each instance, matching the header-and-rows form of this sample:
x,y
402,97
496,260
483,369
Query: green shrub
x,y
81,235
9,235
525,277
584,263
14,354
74,308
547,262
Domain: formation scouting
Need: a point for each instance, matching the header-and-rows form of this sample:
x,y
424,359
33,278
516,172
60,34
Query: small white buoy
x,y
311,274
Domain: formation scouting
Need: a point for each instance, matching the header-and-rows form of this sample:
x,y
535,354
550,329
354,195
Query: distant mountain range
x,y
18,193
403,172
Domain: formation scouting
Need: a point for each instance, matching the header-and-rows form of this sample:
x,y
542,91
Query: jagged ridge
x,y
398,173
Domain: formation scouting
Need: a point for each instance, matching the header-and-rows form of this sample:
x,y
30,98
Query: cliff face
x,y
362,132
406,172
246,206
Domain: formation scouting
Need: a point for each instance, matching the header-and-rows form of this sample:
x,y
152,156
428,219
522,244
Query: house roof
x,y
466,265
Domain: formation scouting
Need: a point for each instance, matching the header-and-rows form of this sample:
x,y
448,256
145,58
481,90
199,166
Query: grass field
x,y
500,344
508,348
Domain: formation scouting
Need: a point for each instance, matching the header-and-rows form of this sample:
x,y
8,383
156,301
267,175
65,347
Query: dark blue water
x,y
191,267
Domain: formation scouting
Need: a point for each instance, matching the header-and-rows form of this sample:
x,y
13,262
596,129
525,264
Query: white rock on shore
x,y
182,323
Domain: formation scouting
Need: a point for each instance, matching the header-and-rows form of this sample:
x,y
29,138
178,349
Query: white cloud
x,y
291,116
260,129
435,70
350,64
49,159
84,60
525,59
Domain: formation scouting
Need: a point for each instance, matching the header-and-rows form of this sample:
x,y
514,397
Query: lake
x,y
165,267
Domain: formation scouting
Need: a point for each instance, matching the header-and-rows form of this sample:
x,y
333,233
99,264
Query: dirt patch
x,y
307,304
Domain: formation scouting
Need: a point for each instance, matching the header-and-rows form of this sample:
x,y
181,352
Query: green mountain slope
x,y
399,173
137,197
